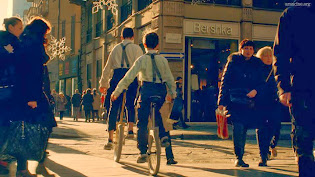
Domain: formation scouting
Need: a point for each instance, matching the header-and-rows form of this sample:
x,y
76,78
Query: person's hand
x,y
103,90
32,104
221,107
252,94
9,48
285,99
113,97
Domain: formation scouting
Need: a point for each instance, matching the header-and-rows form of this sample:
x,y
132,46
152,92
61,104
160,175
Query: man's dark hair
x,y
151,40
178,78
10,21
127,33
246,42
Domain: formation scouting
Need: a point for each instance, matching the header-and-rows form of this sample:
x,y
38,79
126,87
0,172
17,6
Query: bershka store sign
x,y
212,28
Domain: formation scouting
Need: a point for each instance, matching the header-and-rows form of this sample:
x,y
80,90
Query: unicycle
x,y
154,143
120,129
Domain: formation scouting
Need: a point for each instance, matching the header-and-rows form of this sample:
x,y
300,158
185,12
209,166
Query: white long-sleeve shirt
x,y
133,52
143,69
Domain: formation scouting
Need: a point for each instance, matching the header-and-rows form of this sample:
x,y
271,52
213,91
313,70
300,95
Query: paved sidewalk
x,y
76,150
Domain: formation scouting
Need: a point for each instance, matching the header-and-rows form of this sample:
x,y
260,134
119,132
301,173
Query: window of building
x,y
53,30
142,4
99,24
63,28
271,4
89,75
223,2
110,20
126,9
89,24
72,34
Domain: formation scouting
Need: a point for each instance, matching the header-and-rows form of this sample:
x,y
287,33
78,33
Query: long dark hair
x,y
10,21
39,27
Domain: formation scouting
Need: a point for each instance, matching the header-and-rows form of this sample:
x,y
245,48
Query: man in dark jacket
x,y
76,103
293,49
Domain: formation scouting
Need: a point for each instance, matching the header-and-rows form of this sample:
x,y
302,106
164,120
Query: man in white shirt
x,y
119,61
155,75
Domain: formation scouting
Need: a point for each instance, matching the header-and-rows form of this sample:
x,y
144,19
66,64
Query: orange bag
x,y
222,131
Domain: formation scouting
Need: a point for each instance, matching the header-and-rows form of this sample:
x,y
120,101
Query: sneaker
x,y
262,163
130,135
24,173
240,163
143,158
171,162
109,145
274,152
165,142
185,126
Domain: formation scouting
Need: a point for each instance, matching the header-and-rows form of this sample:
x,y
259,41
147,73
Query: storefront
x,y
68,75
207,46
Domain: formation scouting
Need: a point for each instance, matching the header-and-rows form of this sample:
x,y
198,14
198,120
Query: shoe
x,y
240,163
4,170
185,126
41,169
262,163
143,158
130,135
171,162
109,145
274,152
176,127
24,173
165,142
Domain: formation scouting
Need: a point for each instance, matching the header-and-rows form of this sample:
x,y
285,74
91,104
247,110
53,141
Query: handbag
x,y
222,131
26,140
239,98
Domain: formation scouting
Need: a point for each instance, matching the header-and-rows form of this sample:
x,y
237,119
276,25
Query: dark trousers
x,y
169,149
276,135
148,90
95,114
239,139
115,106
303,133
87,115
263,135
61,114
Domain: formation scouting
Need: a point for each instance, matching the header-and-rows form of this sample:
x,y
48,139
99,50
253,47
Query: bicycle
x,y
120,129
154,143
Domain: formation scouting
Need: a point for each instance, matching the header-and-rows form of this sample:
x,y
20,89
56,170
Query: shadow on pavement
x,y
62,170
205,146
62,149
240,172
144,171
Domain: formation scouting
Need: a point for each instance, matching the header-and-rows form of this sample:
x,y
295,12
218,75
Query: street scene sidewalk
x,y
76,150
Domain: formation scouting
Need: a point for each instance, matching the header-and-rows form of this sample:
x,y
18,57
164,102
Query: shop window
x,y
261,44
142,4
271,4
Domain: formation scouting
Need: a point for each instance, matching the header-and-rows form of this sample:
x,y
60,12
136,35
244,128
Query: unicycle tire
x,y
154,152
119,142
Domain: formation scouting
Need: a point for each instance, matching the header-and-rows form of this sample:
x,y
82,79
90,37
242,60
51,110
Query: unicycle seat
x,y
155,99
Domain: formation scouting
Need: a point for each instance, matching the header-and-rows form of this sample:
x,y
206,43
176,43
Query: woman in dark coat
x,y
35,81
242,80
87,102
9,56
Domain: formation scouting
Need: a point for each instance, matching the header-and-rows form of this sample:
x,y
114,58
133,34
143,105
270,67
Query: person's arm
x,y
108,70
169,79
283,49
128,78
226,81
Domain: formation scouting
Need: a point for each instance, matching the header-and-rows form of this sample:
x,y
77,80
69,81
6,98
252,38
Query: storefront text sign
x,y
211,28
173,38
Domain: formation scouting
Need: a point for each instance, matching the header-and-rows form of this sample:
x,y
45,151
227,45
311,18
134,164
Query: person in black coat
x,y
242,80
9,57
294,68
76,103
35,81
269,107
87,102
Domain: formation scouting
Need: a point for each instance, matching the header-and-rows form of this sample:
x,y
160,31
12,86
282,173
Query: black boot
x,y
240,163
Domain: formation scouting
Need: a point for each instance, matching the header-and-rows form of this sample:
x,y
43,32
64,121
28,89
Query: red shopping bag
x,y
221,117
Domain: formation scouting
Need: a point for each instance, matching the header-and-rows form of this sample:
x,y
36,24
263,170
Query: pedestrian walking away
x,y
294,51
155,75
87,102
96,105
76,103
119,61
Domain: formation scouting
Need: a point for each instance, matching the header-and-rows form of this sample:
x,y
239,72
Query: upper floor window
x,y
126,9
271,4
143,4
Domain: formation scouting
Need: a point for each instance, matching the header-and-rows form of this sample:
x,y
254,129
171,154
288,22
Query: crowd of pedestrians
x,y
254,90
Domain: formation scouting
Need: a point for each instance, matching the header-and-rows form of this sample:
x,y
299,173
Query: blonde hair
x,y
264,51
